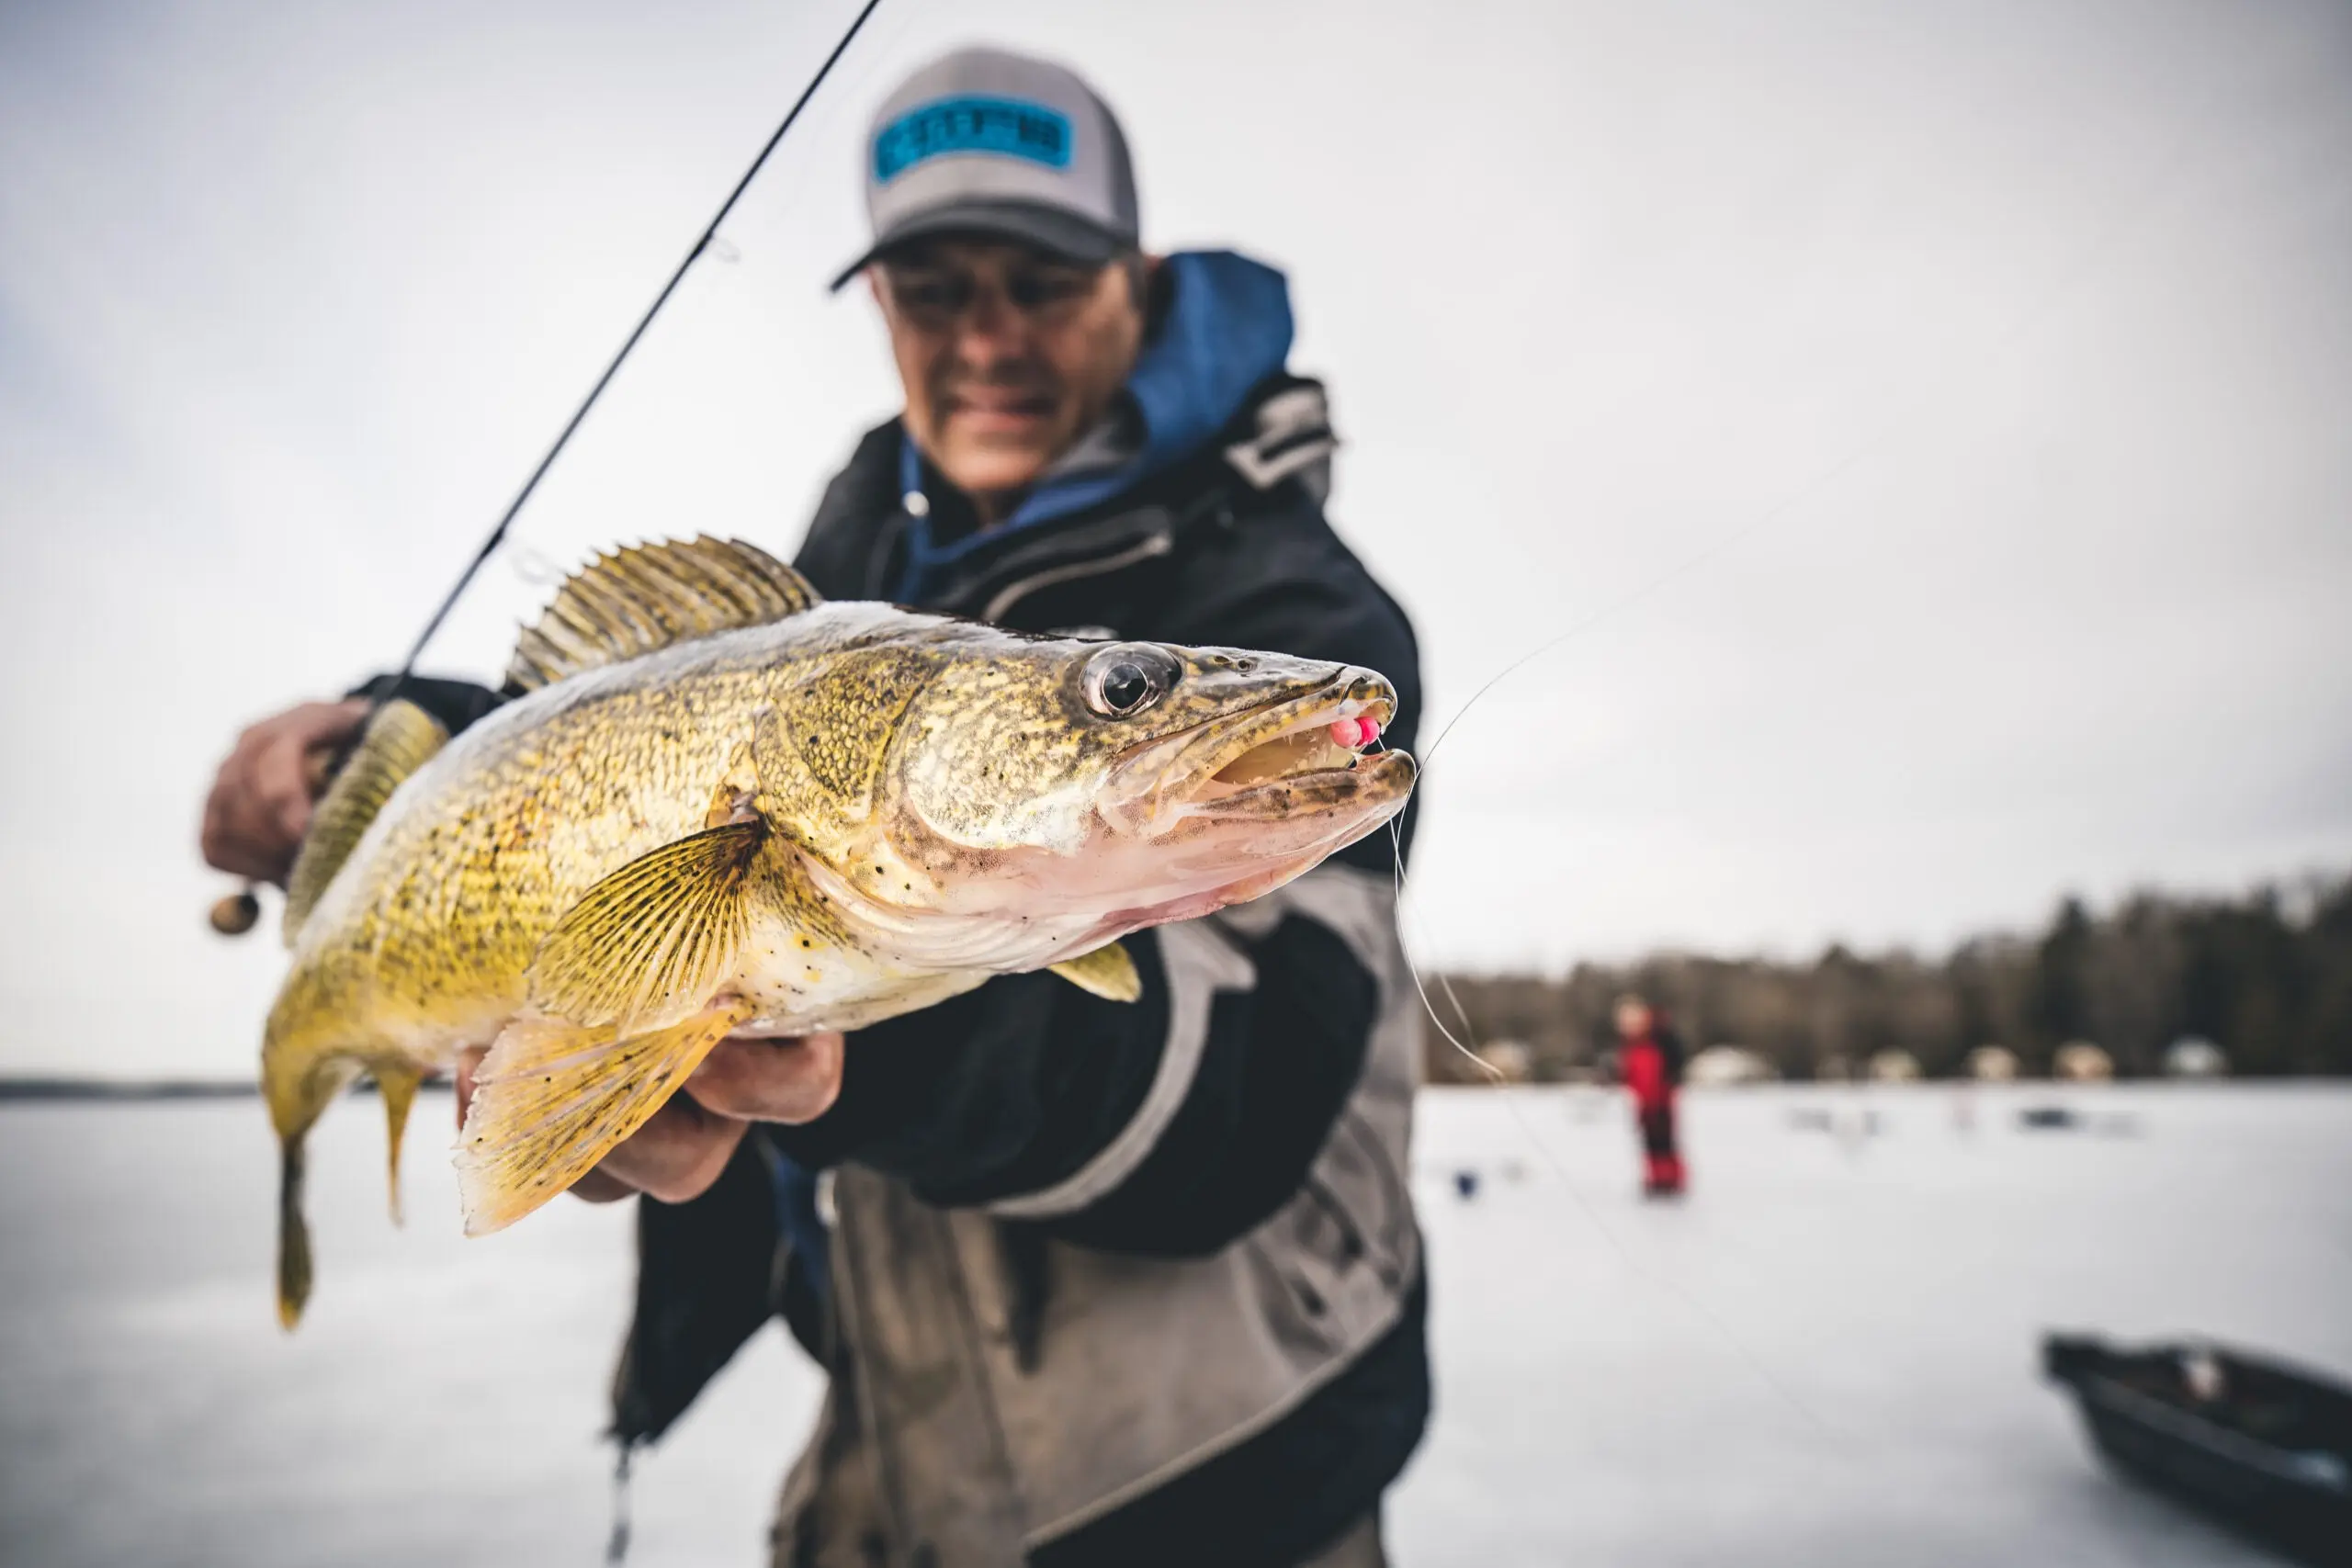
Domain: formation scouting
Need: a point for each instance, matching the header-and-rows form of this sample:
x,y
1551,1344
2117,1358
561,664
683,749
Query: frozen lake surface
x,y
1826,1355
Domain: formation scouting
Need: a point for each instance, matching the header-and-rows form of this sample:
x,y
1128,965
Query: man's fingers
x,y
261,801
350,715
675,1156
236,836
291,778
316,725
771,1080
283,795
468,1065
599,1186
223,849
681,1151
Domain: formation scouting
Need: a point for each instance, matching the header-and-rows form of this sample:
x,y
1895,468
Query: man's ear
x,y
1143,270
872,276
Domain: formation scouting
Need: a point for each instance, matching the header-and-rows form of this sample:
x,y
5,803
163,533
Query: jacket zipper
x,y
1011,593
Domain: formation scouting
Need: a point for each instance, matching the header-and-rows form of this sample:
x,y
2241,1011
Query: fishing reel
x,y
238,913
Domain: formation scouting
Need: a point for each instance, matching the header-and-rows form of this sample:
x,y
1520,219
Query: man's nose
x,y
991,332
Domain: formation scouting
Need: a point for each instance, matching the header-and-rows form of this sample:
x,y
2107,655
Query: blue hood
x,y
1227,327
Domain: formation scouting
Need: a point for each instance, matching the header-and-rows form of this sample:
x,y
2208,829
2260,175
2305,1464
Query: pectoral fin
x,y
1107,971
655,937
552,1098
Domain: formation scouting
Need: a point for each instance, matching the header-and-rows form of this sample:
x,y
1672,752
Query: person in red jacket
x,y
1651,1061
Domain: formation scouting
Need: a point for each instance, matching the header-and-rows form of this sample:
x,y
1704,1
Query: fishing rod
x,y
235,914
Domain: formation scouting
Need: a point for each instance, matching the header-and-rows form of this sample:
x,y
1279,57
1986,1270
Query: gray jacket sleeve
x,y
1170,1125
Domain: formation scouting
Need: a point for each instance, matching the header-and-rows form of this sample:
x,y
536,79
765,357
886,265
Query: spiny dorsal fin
x,y
399,738
1107,971
644,597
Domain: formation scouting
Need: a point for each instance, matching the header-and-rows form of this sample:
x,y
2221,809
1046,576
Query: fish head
x,y
1138,781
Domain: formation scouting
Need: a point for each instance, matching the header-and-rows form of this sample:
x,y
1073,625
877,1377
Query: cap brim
x,y
1059,233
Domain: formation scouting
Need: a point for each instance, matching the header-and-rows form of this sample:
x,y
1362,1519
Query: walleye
x,y
722,807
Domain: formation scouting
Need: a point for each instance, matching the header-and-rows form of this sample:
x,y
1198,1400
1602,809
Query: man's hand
x,y
680,1152
261,800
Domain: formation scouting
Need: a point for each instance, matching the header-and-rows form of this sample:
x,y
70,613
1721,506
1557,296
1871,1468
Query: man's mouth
x,y
1000,405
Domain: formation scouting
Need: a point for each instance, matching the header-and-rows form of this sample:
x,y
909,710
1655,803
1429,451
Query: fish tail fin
x,y
398,1086
303,1067
553,1098
293,1235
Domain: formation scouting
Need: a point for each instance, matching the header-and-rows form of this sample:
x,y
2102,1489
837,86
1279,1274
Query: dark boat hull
x,y
2268,1449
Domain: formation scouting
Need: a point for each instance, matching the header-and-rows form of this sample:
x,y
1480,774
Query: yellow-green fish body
x,y
729,808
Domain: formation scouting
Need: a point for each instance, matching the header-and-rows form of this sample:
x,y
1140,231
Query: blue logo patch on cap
x,y
1009,128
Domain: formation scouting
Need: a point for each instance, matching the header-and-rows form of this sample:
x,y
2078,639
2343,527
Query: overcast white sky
x,y
2001,354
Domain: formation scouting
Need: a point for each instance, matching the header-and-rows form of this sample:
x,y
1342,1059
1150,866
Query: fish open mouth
x,y
1308,749
1297,757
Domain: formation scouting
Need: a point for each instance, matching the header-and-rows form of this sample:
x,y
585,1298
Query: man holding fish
x,y
1108,1249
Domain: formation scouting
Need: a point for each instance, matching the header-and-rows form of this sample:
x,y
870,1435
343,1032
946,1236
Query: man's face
x,y
1633,1020
1008,355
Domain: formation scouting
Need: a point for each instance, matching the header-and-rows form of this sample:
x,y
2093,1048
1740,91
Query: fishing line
x,y
1396,842
703,243
617,1538
1739,1347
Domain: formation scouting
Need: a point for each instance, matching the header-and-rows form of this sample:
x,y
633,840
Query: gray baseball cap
x,y
982,141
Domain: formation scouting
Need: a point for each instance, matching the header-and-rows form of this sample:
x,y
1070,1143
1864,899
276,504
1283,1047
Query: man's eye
x,y
930,293
1030,291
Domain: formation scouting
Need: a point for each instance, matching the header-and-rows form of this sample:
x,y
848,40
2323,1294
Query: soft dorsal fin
x,y
643,597
399,738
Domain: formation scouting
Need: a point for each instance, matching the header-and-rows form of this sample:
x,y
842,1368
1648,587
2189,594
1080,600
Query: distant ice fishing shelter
x,y
2079,1061
2191,1058
1992,1064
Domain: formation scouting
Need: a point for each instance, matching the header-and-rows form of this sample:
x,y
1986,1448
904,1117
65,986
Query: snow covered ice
x,y
1825,1355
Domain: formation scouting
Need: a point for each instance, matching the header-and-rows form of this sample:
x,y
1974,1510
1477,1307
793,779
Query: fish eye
x,y
1128,677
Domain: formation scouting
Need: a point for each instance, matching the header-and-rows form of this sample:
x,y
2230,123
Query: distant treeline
x,y
2266,977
